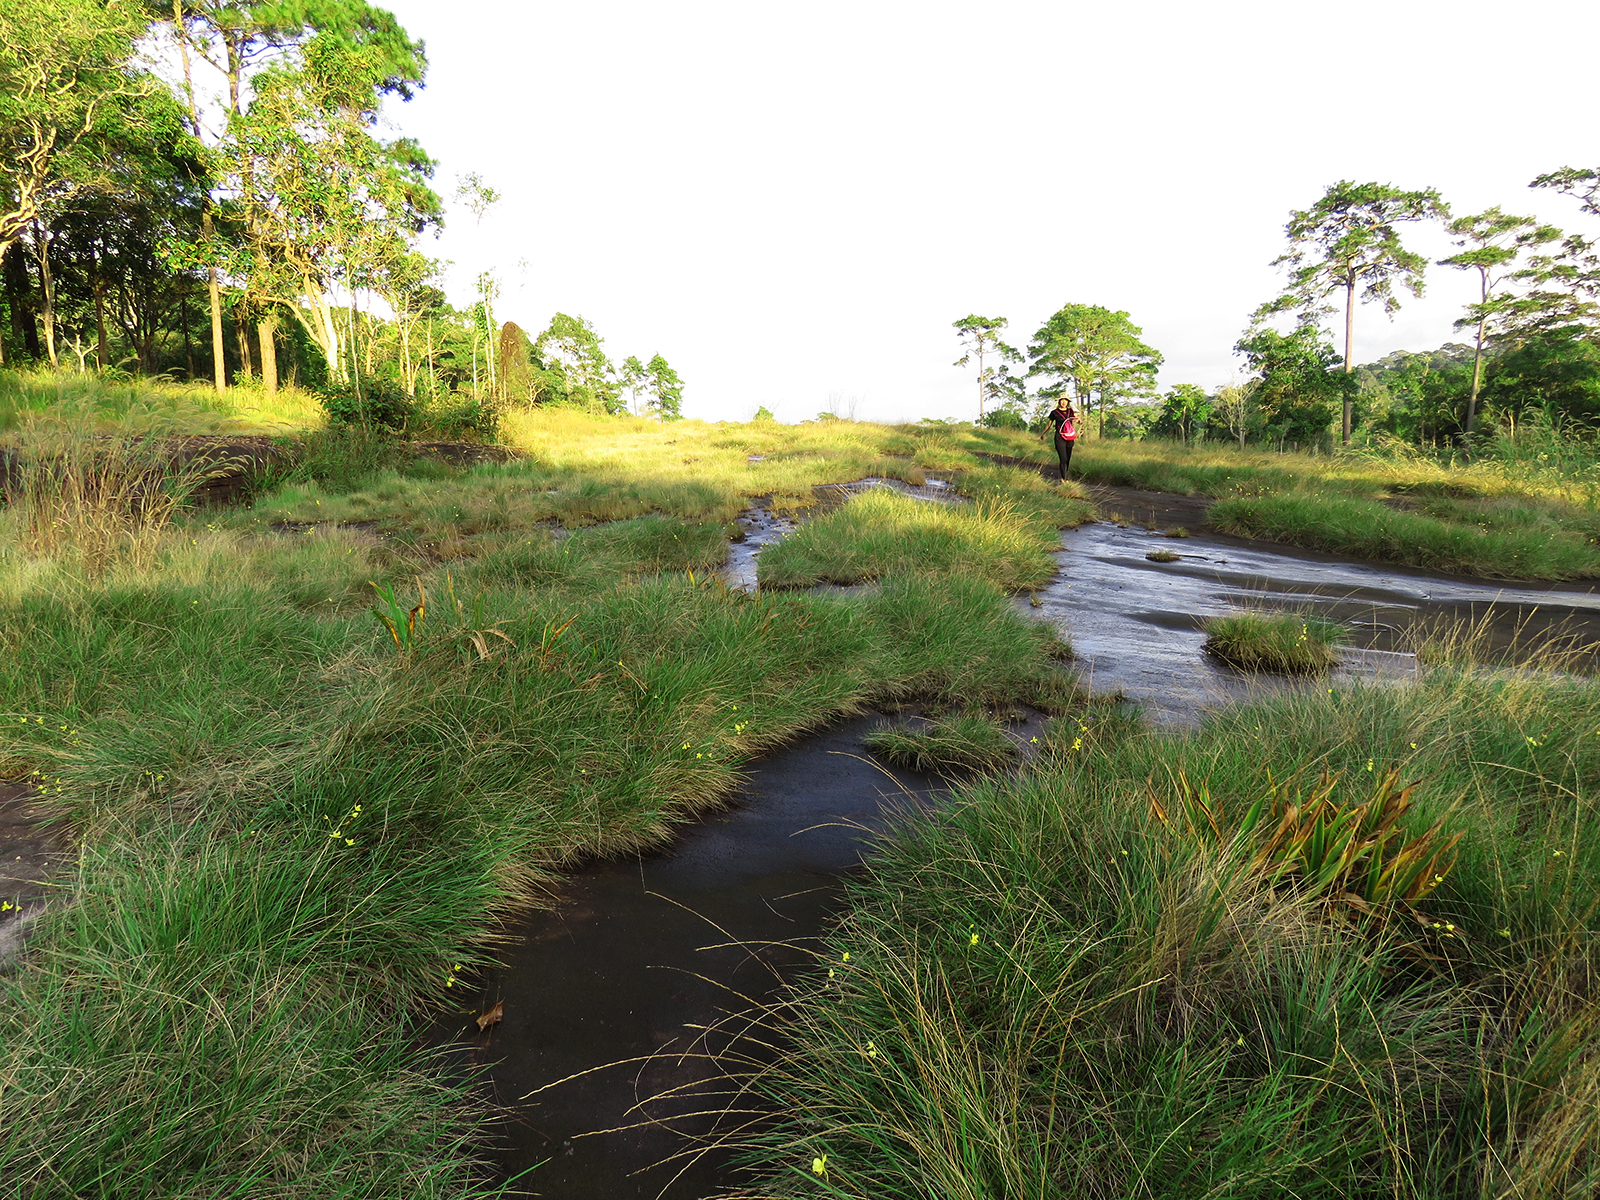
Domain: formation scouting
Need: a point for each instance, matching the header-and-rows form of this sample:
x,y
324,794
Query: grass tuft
x,y
1284,643
881,532
960,744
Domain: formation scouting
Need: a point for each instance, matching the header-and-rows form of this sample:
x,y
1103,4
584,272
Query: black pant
x,y
1064,453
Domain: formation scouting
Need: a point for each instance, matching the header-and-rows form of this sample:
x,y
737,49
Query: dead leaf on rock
x,y
492,1017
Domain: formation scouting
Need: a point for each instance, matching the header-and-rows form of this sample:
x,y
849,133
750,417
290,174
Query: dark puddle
x,y
649,962
32,847
1135,624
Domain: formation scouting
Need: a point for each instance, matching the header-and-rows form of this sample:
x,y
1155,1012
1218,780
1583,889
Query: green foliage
x,y
1553,372
1183,414
763,413
1296,387
1347,243
572,351
1096,355
1288,643
372,404
665,389
1004,418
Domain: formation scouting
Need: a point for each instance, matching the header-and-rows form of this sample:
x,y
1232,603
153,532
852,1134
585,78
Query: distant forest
x,y
236,218
1534,351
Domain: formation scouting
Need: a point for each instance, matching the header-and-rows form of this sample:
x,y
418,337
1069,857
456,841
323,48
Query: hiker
x,y
1065,423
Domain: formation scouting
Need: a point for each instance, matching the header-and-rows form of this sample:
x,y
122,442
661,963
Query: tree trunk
x,y
102,349
265,329
241,329
1477,365
1349,366
188,346
47,290
219,365
19,294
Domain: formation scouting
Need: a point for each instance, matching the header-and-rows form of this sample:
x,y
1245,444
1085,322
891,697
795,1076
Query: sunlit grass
x,y
117,403
882,532
298,828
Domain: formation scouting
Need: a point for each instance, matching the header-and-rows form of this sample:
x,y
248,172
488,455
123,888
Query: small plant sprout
x,y
400,622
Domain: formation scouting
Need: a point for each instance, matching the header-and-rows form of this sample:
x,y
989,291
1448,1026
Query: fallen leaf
x,y
492,1017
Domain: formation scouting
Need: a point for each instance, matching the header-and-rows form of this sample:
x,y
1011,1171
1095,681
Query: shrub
x,y
370,403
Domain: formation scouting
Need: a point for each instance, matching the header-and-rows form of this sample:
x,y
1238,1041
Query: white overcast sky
x,y
789,201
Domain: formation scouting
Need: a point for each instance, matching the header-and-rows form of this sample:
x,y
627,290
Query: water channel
x,y
622,1003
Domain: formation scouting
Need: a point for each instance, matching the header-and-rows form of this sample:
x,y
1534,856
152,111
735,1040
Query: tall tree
x,y
326,200
1183,408
1095,354
1347,242
632,379
665,389
255,43
1294,388
572,348
65,75
1239,409
980,338
1492,243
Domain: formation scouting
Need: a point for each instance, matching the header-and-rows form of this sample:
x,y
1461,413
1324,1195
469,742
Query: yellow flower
x,y
974,940
819,1165
872,1051
845,957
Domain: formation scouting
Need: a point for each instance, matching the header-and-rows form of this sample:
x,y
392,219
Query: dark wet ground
x,y
649,963
31,848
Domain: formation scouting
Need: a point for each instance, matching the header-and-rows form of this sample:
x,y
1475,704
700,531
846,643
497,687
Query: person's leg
x,y
1064,453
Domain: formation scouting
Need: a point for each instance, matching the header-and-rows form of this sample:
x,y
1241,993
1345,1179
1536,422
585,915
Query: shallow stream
x,y
645,963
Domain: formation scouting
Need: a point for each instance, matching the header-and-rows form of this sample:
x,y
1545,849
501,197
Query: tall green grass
x,y
1049,991
116,399
1370,529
